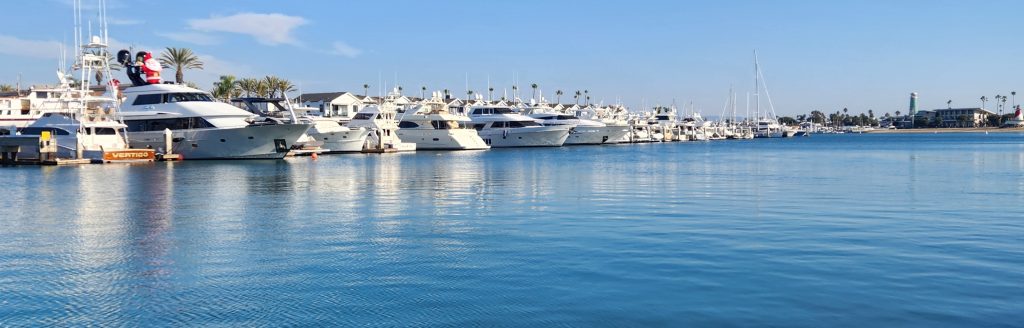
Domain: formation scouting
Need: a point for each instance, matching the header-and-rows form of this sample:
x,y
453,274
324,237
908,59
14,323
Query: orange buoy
x,y
314,156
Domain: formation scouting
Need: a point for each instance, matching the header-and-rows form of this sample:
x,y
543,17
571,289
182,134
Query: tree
x,y
469,95
786,120
366,90
587,94
180,59
817,116
949,104
490,93
558,94
6,88
577,97
277,85
249,86
226,88
534,87
983,100
423,92
1013,102
262,89
964,120
111,63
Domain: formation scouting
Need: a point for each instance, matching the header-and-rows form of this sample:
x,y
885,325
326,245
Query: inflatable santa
x,y
152,68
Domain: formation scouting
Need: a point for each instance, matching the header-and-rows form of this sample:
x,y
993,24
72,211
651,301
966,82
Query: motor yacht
x,y
432,127
326,135
202,128
382,122
499,126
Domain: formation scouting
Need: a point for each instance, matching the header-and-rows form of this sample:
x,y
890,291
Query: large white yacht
x,y
584,131
382,122
21,108
326,133
202,128
432,127
499,126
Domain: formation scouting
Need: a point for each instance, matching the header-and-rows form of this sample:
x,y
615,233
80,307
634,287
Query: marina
x,y
510,164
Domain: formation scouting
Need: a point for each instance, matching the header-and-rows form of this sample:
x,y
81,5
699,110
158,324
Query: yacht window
x,y
522,124
479,127
445,125
149,99
566,117
105,131
501,110
168,123
407,125
35,131
498,125
187,96
364,116
478,111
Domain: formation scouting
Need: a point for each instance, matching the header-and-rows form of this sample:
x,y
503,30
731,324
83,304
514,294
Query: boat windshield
x,y
364,116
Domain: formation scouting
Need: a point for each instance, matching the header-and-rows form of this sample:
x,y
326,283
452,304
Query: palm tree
x,y
490,93
949,104
270,82
983,100
558,93
111,63
534,86
180,59
6,88
423,92
587,94
1013,98
249,86
366,90
469,95
226,88
577,97
284,86
514,89
262,88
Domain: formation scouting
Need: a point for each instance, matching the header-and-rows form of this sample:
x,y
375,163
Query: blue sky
x,y
823,55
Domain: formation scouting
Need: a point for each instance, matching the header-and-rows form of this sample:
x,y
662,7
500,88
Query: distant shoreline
x,y
950,130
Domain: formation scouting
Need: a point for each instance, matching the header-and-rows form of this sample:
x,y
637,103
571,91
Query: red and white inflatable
x,y
152,68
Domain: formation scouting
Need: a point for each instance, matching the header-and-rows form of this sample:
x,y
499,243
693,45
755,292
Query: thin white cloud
x,y
344,49
191,37
270,29
10,45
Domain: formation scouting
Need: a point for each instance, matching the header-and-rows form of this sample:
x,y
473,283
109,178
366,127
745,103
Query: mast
x,y
757,88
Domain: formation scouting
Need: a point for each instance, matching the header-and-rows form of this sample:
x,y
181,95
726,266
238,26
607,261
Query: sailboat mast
x,y
757,88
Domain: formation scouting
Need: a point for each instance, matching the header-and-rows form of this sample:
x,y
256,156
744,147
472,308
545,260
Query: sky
x,y
814,55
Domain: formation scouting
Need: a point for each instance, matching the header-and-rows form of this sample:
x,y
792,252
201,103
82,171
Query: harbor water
x,y
830,230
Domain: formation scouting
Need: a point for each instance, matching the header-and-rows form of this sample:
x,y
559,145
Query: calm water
x,y
845,230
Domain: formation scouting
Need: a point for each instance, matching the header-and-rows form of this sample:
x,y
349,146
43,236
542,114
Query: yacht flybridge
x,y
200,127
584,131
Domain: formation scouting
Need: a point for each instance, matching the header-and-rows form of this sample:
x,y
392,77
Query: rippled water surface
x,y
844,230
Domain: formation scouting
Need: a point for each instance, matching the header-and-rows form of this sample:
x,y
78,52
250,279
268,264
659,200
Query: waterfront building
x,y
961,117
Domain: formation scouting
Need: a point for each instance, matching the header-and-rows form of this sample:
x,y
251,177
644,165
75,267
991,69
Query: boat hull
x,y
250,142
349,141
596,135
540,136
443,139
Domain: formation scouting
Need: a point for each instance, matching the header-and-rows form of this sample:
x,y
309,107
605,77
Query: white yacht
x,y
499,126
432,127
202,128
382,122
326,135
19,109
584,132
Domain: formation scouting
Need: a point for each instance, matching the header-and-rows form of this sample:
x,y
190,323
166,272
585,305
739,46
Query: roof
x,y
322,96
973,109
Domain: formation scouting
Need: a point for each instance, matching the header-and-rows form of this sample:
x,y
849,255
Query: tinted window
x,y
168,123
407,125
105,131
35,131
364,116
522,124
147,99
